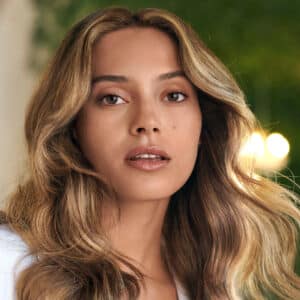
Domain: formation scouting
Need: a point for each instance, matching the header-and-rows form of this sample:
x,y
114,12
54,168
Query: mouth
x,y
153,158
147,158
147,153
147,164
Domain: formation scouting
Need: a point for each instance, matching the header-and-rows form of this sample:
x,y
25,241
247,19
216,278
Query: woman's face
x,y
134,106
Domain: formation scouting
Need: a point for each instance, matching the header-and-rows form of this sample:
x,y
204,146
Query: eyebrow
x,y
119,78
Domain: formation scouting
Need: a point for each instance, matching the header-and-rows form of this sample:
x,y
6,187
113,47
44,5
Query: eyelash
x,y
104,96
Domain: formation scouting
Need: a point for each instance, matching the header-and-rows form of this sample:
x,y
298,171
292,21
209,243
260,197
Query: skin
x,y
145,112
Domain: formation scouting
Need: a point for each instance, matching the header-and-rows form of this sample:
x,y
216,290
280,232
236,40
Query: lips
x,y
147,150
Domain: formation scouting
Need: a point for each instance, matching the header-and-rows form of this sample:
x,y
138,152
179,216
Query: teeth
x,y
151,156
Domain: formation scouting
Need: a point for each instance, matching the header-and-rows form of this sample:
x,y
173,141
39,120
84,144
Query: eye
x,y
177,96
111,99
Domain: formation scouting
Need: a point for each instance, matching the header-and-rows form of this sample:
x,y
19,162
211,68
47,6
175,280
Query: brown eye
x,y
109,99
177,96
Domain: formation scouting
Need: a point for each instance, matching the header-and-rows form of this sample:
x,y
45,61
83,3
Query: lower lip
x,y
147,164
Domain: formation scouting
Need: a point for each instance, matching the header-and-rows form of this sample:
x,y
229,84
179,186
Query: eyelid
x,y
101,97
173,91
178,92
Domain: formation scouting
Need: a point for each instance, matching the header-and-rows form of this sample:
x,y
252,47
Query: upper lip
x,y
147,149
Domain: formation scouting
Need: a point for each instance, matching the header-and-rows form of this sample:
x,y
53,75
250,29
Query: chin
x,y
148,190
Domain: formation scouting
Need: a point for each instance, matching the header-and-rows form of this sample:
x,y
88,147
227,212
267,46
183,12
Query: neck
x,y
138,233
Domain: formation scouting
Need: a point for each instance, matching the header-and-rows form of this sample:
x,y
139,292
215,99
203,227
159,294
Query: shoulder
x,y
10,239
12,248
13,251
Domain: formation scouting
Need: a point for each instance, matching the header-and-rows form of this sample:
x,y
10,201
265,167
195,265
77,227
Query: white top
x,y
12,260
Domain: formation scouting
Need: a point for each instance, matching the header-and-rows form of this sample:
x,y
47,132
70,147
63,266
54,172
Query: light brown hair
x,y
227,233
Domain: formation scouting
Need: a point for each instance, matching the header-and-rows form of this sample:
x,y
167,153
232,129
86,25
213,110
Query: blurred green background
x,y
258,40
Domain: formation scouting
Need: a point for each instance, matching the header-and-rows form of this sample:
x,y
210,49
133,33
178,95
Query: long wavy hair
x,y
227,233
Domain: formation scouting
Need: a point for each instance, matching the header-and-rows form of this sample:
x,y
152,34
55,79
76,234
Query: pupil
x,y
173,95
113,98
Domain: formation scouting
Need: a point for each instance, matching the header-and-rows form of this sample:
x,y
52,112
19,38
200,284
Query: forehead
x,y
135,48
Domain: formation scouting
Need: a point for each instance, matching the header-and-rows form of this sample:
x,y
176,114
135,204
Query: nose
x,y
145,120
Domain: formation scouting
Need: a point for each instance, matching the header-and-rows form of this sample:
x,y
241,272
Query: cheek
x,y
99,137
91,138
188,127
186,143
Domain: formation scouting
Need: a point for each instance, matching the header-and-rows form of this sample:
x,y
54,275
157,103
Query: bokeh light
x,y
265,153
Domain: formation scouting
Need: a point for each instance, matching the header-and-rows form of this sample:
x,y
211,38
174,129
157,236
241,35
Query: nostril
x,y
140,129
143,129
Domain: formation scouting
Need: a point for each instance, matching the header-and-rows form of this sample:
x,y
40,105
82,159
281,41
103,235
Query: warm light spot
x,y
266,154
277,145
254,146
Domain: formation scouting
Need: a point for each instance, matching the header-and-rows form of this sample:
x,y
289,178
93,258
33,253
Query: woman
x,y
134,193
